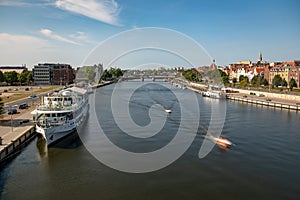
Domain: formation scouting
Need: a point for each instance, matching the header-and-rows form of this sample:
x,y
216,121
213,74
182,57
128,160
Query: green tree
x,y
264,82
90,73
225,79
293,83
2,79
29,77
192,75
277,80
284,83
11,77
106,75
234,80
244,82
217,76
255,81
22,77
241,78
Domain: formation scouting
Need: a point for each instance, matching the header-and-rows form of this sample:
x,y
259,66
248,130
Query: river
x,y
264,163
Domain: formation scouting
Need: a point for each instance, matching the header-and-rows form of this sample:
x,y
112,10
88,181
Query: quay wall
x,y
17,144
271,95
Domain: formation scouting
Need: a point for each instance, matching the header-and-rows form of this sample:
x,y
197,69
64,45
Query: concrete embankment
x,y
104,84
14,142
267,102
16,131
283,101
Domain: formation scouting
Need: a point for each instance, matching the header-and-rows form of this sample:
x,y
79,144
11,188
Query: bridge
x,y
143,77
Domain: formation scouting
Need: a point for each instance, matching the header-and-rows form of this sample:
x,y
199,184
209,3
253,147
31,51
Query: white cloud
x,y
105,11
49,33
79,35
21,42
19,49
13,3
22,3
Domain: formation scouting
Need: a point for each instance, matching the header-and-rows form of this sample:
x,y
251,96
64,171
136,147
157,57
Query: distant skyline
x,y
65,31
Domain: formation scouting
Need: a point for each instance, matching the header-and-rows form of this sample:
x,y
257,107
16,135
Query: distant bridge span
x,y
146,77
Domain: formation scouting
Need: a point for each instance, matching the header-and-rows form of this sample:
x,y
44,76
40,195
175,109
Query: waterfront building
x,y
281,71
18,69
53,74
294,73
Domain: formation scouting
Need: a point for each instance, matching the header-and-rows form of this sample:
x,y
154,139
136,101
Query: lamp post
x,y
11,122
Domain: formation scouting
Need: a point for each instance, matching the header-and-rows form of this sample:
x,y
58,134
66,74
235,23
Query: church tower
x,y
260,58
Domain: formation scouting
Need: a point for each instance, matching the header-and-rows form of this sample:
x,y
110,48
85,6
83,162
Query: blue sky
x,y
67,30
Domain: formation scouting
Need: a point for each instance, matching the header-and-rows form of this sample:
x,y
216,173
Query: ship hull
x,y
56,134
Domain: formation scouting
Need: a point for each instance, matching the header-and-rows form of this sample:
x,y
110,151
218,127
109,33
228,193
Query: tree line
x,y
278,81
14,78
111,74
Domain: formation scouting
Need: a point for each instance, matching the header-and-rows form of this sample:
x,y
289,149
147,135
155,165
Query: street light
x,y
11,119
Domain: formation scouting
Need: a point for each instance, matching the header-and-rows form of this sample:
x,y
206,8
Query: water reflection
x,y
41,145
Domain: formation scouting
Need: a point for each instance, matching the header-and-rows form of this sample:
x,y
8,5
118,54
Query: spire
x,y
260,57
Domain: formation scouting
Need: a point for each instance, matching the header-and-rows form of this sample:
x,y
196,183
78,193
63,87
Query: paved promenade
x,y
269,99
8,133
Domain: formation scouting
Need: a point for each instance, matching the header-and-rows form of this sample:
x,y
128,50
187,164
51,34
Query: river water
x,y
263,164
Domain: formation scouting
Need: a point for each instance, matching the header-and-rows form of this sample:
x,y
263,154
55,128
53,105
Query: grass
x,y
17,96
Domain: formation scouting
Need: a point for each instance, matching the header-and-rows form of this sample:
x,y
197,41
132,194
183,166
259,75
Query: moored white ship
x,y
214,92
61,114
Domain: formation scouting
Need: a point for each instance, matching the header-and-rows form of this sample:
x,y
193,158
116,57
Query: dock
x,y
15,135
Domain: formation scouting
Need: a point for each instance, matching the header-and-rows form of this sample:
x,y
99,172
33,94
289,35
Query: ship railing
x,y
56,108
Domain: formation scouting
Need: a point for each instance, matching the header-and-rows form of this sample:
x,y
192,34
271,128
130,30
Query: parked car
x,y
260,95
12,111
23,106
268,100
32,96
252,93
5,90
26,89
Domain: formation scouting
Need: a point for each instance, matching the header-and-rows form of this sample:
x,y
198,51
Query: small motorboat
x,y
168,110
223,142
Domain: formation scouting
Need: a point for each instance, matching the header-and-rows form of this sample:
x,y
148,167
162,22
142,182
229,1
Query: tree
x,y
106,75
2,79
244,82
277,80
284,83
234,80
264,82
11,77
225,79
293,83
29,77
90,73
255,81
22,77
192,75
241,78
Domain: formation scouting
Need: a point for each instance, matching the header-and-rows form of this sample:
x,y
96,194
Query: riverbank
x,y
15,134
286,101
